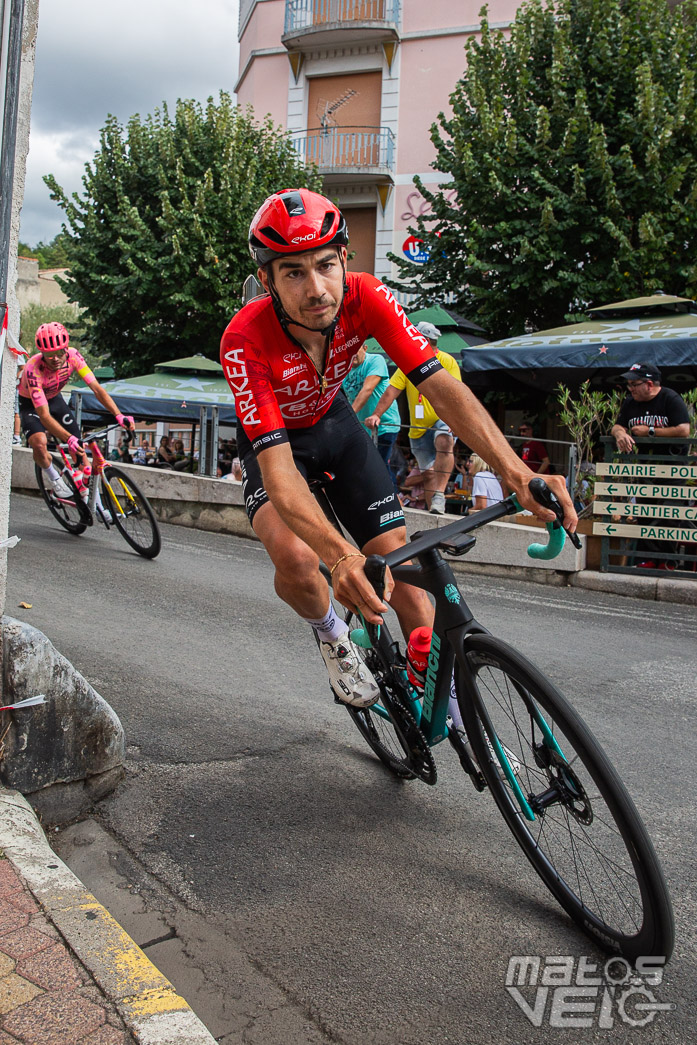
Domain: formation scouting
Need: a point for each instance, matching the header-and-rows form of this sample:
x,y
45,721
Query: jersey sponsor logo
x,y
293,370
349,344
67,419
292,357
377,504
390,517
269,439
236,375
409,329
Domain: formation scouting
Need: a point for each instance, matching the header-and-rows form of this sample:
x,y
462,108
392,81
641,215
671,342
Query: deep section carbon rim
x,y
135,521
70,512
564,802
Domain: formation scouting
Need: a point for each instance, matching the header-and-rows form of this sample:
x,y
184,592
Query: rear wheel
x,y
71,512
564,802
131,512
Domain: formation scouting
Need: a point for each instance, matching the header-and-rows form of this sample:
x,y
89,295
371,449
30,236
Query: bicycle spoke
x,y
586,841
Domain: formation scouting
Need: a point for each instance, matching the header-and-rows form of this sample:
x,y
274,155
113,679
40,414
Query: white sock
x,y
329,627
51,472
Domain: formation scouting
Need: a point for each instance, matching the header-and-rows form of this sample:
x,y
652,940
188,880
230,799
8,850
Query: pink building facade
x,y
358,83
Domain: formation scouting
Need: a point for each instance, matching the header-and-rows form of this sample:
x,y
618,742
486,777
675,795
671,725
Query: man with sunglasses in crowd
x,y
43,409
660,413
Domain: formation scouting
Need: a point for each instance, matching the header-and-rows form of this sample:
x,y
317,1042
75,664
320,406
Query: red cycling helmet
x,y
295,221
52,337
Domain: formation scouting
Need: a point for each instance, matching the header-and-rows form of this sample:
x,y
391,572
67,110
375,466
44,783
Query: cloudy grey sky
x,y
96,57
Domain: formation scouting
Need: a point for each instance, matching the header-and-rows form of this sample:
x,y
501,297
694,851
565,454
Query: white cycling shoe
x,y
61,488
348,676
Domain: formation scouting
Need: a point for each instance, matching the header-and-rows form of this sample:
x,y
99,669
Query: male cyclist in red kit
x,y
285,356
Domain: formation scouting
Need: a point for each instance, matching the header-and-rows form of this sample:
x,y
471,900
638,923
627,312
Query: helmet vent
x,y
327,223
293,202
270,233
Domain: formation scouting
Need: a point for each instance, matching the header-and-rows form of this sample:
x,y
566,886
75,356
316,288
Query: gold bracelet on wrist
x,y
348,555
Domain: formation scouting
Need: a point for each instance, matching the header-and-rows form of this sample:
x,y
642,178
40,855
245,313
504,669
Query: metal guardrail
x,y
305,14
349,148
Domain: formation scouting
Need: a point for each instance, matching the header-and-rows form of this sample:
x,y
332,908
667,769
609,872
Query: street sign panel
x,y
662,491
639,532
619,470
647,511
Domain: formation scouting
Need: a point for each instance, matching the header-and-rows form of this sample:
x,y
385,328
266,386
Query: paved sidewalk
x,y
46,996
69,974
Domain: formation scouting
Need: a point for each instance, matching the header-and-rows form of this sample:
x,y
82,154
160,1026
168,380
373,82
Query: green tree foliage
x,y
573,151
158,240
53,255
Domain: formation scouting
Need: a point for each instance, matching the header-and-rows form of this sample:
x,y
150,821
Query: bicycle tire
x,y
137,525
75,518
611,885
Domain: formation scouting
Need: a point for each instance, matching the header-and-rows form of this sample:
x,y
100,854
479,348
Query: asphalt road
x,y
287,884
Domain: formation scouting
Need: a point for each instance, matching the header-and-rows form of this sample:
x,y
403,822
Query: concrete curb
x,y
146,1001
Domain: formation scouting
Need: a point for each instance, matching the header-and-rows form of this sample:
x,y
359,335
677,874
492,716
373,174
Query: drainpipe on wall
x,y
18,24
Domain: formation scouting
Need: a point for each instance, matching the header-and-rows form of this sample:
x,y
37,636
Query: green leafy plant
x,y
587,415
158,240
571,163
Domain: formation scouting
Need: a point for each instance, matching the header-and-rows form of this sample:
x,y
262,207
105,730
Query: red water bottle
x,y
418,648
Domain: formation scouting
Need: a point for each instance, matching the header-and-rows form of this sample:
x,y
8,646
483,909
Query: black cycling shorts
x,y
57,408
361,493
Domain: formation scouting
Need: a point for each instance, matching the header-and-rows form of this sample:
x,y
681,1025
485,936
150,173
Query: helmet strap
x,y
285,320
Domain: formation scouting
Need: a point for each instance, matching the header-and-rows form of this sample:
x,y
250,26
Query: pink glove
x,y
124,421
74,445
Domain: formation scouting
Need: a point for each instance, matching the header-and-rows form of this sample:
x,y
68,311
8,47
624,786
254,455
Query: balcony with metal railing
x,y
312,23
349,154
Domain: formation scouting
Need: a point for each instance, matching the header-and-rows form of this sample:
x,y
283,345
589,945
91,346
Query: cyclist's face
x,y
54,360
310,286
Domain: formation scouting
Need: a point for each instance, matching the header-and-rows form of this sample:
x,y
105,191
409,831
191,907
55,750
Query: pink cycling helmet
x,y
295,221
52,337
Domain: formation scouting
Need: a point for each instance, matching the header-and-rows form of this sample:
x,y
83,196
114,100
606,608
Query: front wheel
x,y
71,512
563,801
132,514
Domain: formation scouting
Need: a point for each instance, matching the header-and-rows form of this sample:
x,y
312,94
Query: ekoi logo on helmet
x,y
303,239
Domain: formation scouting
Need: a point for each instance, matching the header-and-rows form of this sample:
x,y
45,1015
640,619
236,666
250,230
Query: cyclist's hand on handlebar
x,y
74,445
125,421
556,484
353,589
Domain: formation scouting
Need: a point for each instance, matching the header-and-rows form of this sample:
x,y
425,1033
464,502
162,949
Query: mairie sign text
x,y
647,471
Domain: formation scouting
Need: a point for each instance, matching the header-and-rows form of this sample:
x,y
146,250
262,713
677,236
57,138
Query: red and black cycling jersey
x,y
275,383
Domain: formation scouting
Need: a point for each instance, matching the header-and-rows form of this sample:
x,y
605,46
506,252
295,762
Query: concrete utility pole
x,y
18,24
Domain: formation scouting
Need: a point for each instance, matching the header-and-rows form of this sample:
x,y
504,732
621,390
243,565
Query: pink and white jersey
x,y
40,384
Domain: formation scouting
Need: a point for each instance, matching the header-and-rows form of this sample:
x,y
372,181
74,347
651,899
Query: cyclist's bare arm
x,y
291,497
104,398
461,410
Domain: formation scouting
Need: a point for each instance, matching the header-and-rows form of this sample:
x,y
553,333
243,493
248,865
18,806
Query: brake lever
x,y
544,496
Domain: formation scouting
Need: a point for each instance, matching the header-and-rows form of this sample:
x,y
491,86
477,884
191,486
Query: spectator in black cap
x,y
650,410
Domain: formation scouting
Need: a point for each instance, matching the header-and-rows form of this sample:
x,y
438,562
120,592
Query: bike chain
x,y
419,757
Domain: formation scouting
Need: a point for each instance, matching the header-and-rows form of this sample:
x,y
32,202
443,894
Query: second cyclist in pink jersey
x,y
43,409
285,356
